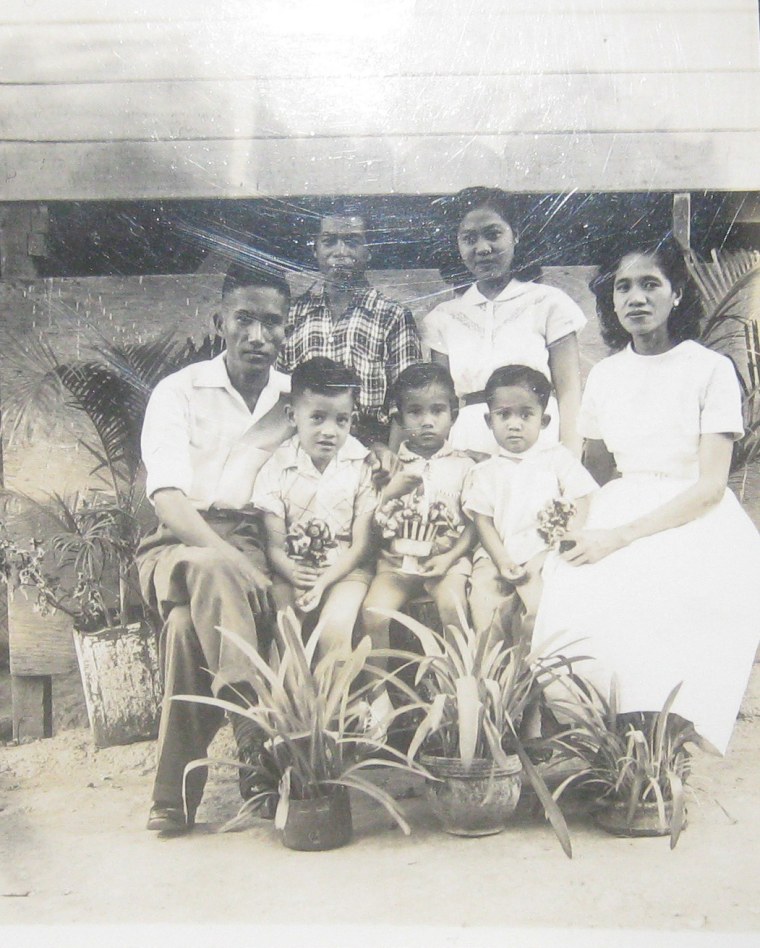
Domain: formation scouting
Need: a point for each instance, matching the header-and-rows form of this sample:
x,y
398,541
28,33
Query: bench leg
x,y
32,697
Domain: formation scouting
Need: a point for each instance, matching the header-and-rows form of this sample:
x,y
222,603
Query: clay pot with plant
x,y
318,743
475,694
633,768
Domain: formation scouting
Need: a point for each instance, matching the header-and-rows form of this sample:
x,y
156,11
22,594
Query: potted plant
x,y
76,554
634,767
475,694
319,743
76,558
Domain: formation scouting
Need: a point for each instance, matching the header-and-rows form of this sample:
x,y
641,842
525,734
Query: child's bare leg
x,y
490,602
283,595
387,591
450,596
530,593
338,615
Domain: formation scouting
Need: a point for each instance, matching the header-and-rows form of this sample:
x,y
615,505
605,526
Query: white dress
x,y
682,605
479,335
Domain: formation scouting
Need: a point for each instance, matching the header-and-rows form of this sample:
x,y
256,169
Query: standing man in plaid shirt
x,y
345,319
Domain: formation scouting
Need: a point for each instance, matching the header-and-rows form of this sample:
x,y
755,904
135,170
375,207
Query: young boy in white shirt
x,y
317,499
505,494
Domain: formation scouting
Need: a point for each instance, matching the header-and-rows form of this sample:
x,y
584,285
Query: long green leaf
x,y
432,643
678,797
429,724
552,811
469,710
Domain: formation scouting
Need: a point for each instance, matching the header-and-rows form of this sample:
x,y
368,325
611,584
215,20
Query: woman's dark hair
x,y
521,376
420,376
322,376
454,209
683,322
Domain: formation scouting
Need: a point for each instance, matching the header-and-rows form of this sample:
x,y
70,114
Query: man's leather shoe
x,y
164,818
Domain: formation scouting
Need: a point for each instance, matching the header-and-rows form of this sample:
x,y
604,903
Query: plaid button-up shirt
x,y
376,337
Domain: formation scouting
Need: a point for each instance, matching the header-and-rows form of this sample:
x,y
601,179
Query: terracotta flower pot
x,y
472,801
319,824
611,817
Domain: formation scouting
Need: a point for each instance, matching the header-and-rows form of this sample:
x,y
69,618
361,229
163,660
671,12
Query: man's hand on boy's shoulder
x,y
401,484
383,464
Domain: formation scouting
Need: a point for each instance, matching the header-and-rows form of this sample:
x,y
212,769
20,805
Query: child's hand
x,y
400,484
302,576
435,566
513,573
311,598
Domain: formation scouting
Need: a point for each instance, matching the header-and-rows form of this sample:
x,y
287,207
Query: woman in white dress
x,y
661,586
503,320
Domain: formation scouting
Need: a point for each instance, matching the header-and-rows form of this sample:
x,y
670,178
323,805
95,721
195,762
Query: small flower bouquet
x,y
411,529
309,543
553,521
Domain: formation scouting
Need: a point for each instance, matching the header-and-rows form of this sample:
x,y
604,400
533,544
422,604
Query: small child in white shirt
x,y
424,492
317,499
505,494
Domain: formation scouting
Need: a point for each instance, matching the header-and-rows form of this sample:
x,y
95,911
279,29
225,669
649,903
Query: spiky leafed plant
x,y
315,717
475,695
622,762
729,286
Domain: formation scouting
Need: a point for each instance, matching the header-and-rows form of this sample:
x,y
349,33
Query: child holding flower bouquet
x,y
317,499
424,538
521,500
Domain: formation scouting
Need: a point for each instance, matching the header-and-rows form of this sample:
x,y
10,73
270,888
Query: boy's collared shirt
x,y
443,477
200,437
376,337
290,487
512,489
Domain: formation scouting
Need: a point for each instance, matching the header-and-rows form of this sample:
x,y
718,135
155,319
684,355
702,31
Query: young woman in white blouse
x,y
503,320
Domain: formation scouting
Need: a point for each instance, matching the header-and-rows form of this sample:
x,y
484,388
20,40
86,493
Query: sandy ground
x,y
73,850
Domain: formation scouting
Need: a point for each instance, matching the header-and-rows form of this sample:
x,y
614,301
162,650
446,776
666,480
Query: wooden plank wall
x,y
186,99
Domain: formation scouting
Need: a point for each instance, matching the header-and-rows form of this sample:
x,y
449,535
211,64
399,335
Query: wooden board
x,y
430,164
388,106
494,43
39,646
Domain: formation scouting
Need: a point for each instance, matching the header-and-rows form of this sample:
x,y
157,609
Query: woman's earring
x,y
676,302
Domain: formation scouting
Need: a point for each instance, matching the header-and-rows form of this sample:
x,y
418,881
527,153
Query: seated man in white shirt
x,y
207,431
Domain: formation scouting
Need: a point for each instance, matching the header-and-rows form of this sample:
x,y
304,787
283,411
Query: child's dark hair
x,y
241,275
419,376
521,376
323,377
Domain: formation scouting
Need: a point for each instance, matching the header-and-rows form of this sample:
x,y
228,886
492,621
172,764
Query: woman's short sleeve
x,y
721,408
433,330
563,317
589,421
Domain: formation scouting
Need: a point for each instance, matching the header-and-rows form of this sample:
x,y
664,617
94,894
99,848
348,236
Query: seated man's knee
x,y
179,624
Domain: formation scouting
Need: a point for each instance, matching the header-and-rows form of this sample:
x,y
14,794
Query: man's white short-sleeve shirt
x,y
200,437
